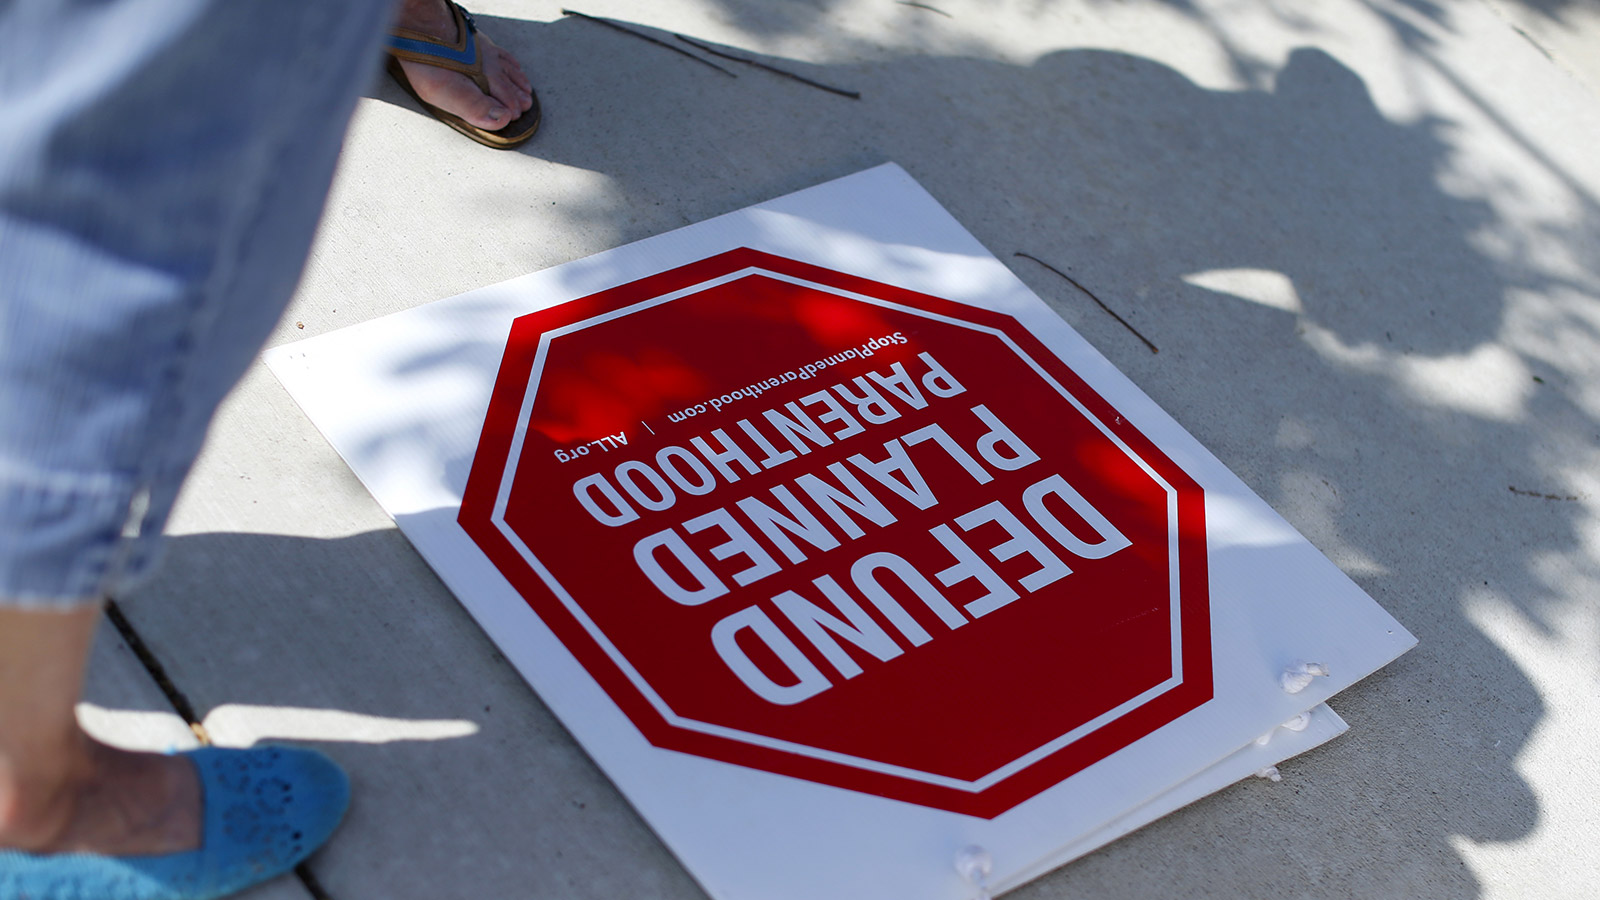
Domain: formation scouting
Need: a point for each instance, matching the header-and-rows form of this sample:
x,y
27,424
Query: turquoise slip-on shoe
x,y
265,810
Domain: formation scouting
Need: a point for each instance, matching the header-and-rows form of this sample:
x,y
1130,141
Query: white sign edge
x,y
1056,334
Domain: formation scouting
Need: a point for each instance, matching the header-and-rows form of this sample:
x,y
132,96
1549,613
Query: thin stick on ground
x,y
1090,294
915,5
645,37
705,48
1542,496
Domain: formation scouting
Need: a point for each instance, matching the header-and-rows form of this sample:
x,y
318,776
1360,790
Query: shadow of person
x,y
462,777
1145,186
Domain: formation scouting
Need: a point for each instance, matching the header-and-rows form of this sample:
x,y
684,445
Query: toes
x,y
456,93
521,79
510,92
507,82
466,101
513,71
489,115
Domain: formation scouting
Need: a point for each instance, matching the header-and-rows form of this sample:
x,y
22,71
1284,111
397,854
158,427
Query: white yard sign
x,y
857,570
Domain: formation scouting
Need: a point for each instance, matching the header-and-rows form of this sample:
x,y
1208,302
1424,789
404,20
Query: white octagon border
x,y
497,518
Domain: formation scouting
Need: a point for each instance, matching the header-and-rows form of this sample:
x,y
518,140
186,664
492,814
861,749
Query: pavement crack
x,y
158,672
1098,302
184,708
309,881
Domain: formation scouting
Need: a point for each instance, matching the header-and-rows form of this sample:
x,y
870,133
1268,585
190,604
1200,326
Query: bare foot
x,y
107,801
511,94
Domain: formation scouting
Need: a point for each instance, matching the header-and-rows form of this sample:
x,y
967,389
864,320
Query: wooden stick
x,y
1097,300
916,5
853,95
642,36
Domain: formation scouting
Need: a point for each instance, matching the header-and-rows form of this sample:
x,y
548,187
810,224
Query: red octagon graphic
x,y
804,522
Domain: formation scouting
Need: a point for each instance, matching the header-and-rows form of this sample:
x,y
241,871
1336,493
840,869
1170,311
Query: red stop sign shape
x,y
804,522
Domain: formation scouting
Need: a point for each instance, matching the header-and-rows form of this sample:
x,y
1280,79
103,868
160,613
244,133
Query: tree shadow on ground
x,y
1313,292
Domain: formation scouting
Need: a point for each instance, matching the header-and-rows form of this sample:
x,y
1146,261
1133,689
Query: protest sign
x,y
839,551
710,545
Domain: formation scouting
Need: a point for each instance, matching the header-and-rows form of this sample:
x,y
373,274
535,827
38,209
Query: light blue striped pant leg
x,y
163,164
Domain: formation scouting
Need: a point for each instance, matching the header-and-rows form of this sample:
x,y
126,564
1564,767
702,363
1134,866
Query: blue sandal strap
x,y
465,56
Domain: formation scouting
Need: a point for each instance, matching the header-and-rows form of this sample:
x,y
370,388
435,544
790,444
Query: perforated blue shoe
x,y
266,809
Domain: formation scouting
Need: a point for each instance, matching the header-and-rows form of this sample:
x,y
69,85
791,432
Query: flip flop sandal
x,y
460,56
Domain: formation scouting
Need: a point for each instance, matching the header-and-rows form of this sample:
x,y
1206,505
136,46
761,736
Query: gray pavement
x,y
1364,235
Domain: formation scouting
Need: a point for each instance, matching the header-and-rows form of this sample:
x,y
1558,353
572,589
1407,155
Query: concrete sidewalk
x,y
1364,234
